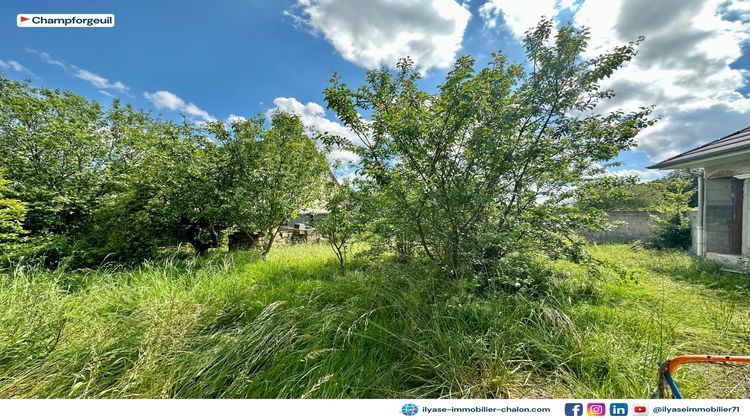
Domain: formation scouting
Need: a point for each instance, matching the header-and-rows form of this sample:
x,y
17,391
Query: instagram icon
x,y
596,409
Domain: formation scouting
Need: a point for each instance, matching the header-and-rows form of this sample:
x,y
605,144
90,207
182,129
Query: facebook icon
x,y
618,409
573,409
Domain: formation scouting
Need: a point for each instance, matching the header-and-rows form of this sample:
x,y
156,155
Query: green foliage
x,y
616,193
119,184
53,146
240,166
672,231
148,204
290,176
493,154
76,165
131,227
273,174
12,214
193,180
387,232
344,220
672,226
627,194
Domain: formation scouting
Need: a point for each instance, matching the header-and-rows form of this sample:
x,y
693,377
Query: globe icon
x,y
409,409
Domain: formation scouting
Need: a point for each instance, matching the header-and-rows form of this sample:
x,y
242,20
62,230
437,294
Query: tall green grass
x,y
234,326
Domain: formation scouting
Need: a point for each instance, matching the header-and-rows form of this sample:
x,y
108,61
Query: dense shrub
x,y
671,224
672,231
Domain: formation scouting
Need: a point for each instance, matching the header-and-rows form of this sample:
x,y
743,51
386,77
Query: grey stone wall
x,y
633,226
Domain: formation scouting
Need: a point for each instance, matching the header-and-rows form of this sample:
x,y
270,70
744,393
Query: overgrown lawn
x,y
234,326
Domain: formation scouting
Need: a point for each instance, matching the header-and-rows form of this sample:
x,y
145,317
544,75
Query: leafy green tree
x,y
55,148
270,174
176,192
115,183
682,180
51,144
139,213
195,189
489,160
289,176
343,221
240,161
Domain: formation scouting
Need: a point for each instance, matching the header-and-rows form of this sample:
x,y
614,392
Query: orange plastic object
x,y
694,358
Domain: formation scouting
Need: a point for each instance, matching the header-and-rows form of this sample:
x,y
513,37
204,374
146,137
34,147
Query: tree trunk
x,y
340,255
455,250
422,238
195,239
200,247
269,242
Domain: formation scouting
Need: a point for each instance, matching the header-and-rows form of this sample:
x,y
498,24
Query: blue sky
x,y
241,57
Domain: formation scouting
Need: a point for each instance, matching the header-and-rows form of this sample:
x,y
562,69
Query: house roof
x,y
731,144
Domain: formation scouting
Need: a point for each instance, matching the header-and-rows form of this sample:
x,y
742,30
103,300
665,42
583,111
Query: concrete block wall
x,y
633,226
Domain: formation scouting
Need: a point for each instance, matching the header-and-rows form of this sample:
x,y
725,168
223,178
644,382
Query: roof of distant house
x,y
734,143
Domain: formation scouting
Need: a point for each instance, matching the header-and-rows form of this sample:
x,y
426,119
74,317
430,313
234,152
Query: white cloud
x,y
167,100
232,118
519,16
314,117
343,156
642,174
375,33
98,81
164,99
14,66
48,58
683,66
